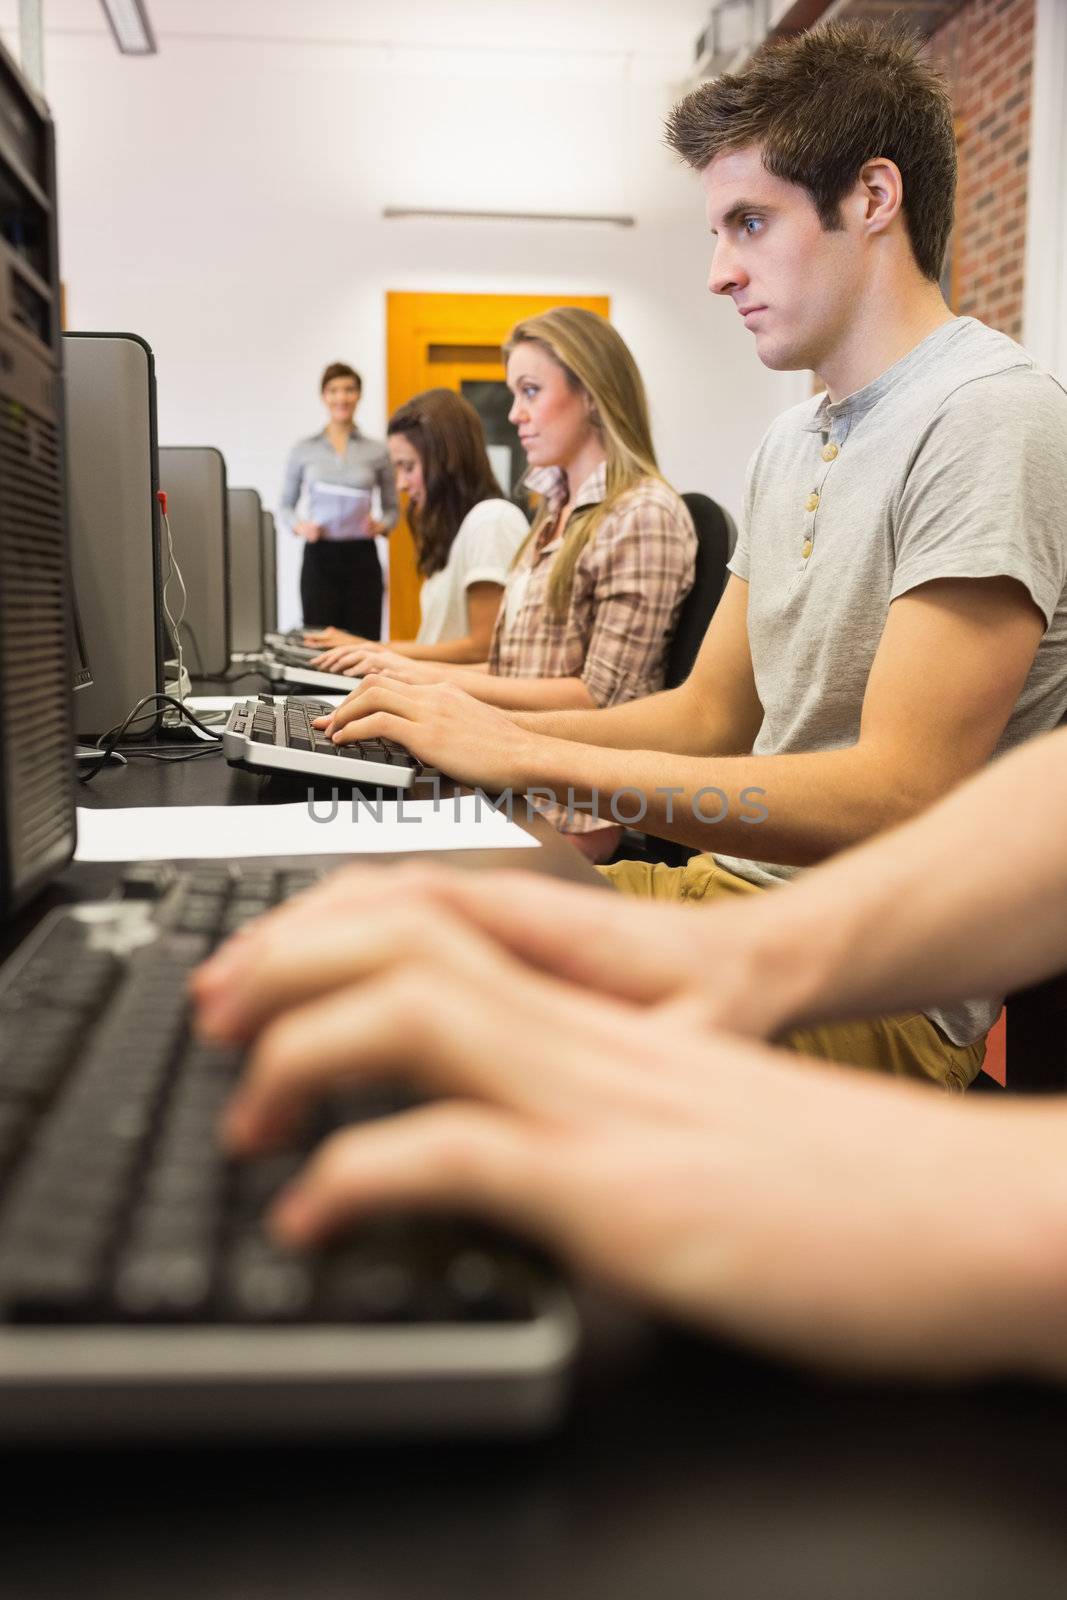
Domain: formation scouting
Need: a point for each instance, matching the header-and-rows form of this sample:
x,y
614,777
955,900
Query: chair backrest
x,y
713,545
1036,1041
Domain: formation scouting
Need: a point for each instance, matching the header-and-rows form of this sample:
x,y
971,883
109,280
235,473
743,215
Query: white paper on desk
x,y
183,833
340,512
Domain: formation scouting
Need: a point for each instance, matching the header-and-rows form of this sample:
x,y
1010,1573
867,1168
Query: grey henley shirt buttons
x,y
829,452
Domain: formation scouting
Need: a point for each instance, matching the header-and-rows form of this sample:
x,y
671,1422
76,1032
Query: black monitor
x,y
270,573
113,477
81,671
36,699
247,622
194,478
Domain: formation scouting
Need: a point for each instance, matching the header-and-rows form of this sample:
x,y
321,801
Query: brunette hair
x,y
597,361
446,433
819,105
340,369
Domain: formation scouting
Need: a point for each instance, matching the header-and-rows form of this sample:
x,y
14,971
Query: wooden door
x,y
452,341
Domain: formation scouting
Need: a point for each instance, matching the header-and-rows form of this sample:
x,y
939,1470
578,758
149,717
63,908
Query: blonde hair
x,y
595,359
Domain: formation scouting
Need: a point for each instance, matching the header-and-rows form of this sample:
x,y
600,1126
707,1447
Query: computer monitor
x,y
270,573
246,570
114,523
81,671
194,479
36,701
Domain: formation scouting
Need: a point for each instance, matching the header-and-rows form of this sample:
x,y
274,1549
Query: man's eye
x,y
752,224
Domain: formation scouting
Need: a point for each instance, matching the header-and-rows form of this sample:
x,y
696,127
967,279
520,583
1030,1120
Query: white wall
x,y
223,199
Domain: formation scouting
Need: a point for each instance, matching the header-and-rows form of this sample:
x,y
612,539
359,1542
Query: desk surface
x,y
685,1470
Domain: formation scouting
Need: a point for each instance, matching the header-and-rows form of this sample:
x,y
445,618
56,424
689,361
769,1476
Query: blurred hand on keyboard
x,y
377,658
340,658
796,1204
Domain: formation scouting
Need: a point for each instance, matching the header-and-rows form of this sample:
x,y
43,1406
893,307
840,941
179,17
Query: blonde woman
x,y
593,598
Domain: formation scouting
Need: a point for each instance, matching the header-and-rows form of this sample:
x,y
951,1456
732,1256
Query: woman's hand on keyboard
x,y
441,725
379,659
794,1204
329,638
340,658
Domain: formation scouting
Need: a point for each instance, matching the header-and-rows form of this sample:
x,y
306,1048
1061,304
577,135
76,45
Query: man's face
x,y
794,284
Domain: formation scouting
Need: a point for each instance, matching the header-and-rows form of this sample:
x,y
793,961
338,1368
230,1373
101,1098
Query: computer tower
x,y
36,667
270,573
194,479
246,570
114,523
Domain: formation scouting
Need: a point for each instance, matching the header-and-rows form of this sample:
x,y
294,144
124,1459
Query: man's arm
x,y
950,666
716,710
684,1167
966,899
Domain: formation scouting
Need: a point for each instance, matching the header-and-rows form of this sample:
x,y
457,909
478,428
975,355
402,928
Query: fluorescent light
x,y
131,27
398,213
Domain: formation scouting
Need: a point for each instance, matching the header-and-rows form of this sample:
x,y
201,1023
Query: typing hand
x,y
311,531
340,658
379,658
796,1205
445,728
329,638
718,965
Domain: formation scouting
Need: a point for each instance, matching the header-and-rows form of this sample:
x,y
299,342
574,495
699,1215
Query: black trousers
x,y
341,586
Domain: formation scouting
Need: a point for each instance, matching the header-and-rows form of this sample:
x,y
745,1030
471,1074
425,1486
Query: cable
x,y
107,742
175,622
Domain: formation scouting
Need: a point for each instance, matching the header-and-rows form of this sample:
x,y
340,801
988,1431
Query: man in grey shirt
x,y
897,609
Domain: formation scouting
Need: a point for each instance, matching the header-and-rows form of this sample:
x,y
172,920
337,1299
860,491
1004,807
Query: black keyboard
x,y
118,1207
295,654
279,734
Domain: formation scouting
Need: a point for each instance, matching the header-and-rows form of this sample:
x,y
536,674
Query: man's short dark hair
x,y
340,369
819,105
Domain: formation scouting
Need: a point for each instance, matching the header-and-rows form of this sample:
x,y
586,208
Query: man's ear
x,y
880,189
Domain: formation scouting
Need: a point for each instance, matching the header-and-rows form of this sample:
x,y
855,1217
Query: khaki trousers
x,y
909,1046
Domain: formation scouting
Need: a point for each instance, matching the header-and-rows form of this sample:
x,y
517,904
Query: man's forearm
x,y
793,809
963,901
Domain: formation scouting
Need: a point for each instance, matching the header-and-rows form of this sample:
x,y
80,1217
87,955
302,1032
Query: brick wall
x,y
986,52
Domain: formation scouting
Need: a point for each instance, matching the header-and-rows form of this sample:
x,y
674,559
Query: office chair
x,y
712,526
1036,1038
713,530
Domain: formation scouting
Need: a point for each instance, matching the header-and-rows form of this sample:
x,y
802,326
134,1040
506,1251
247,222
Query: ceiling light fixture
x,y
129,23
416,213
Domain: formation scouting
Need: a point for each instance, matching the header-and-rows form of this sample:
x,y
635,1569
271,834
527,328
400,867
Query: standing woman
x,y
466,534
341,575
593,598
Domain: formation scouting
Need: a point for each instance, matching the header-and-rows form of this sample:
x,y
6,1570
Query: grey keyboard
x,y
279,736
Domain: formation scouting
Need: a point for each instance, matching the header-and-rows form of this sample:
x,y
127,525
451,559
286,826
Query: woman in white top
x,y
466,534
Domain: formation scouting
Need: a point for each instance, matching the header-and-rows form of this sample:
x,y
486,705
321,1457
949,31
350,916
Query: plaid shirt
x,y
629,585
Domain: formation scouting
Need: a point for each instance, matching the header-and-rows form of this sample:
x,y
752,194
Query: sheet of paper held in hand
x,y
184,833
340,512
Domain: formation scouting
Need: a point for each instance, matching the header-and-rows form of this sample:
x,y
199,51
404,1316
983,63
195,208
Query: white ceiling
x,y
665,29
